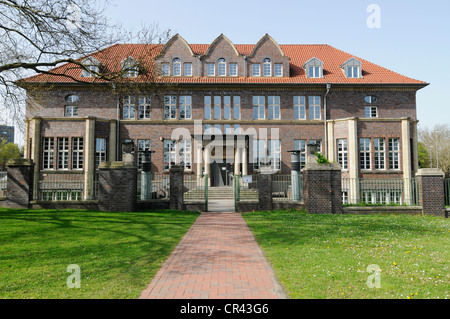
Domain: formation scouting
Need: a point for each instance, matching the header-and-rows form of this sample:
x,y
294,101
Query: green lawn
x,y
327,256
118,253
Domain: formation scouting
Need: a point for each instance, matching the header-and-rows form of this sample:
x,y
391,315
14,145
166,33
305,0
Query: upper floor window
x,y
129,107
274,107
92,66
259,107
233,69
170,107
278,69
352,68
72,98
222,67
314,68
176,65
144,107
165,69
210,69
299,108
256,69
185,107
188,69
370,110
71,110
267,67
130,67
314,107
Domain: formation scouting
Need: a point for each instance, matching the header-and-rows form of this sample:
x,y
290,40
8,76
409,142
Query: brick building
x,y
225,109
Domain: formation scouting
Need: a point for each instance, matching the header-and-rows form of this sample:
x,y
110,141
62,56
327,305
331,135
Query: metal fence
x,y
60,186
195,187
160,186
447,191
385,191
284,189
3,183
245,187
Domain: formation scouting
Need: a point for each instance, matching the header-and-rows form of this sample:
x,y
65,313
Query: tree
x,y
424,157
8,151
436,143
39,35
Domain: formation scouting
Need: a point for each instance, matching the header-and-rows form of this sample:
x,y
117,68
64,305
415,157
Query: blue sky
x,y
413,40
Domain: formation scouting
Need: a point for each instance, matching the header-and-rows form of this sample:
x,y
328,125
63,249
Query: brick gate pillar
x,y
19,189
176,187
265,180
432,196
322,188
117,187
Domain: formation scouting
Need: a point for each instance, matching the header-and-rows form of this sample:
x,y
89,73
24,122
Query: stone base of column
x,y
265,180
176,187
19,189
322,188
432,194
117,188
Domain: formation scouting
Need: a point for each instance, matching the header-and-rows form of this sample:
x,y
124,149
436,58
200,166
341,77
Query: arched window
x,y
72,98
222,66
371,106
176,64
71,109
267,67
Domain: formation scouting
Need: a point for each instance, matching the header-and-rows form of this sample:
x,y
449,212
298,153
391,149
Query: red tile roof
x,y
331,57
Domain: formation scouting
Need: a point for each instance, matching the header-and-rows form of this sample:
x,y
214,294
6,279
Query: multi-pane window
x,y
143,145
207,108
227,107
274,107
71,111
299,107
353,72
129,107
258,107
364,153
176,65
210,69
314,72
222,67
275,154
144,107
314,107
169,153
77,153
170,107
394,153
165,69
217,107
236,107
256,69
48,152
100,151
342,153
72,98
278,69
185,153
63,152
267,67
380,153
130,68
370,111
233,70
259,153
188,69
300,145
185,107
91,70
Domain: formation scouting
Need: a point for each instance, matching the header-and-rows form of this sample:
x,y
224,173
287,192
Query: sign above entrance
x,y
247,179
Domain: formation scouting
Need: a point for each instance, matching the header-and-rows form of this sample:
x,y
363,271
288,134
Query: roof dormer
x,y
313,68
92,66
352,68
130,67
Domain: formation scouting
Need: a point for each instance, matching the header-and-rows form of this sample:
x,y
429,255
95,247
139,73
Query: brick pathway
x,y
217,258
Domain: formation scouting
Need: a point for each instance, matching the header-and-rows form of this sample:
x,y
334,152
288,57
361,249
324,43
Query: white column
x,y
331,143
199,162
89,158
353,161
208,164
112,145
237,160
406,159
36,153
244,161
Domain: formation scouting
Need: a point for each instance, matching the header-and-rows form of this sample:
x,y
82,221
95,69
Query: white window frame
x,y
365,150
187,69
217,108
267,67
342,152
227,107
63,153
185,107
314,104
142,146
170,107
169,150
176,67
48,153
129,107
207,107
210,69
274,107
177,151
77,153
275,154
259,153
236,107
165,69
394,153
300,145
353,72
379,147
256,69
259,109
370,111
278,69
144,107
233,69
71,111
221,67
299,107
100,151
90,72
314,71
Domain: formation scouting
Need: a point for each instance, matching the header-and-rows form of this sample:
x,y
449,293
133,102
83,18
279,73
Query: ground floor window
x,y
77,153
183,147
100,151
267,153
48,152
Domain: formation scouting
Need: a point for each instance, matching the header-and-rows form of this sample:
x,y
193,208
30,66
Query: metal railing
x,y
60,186
160,186
244,188
3,183
447,191
380,191
195,187
283,189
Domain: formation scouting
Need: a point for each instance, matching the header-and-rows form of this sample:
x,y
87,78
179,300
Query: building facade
x,y
224,109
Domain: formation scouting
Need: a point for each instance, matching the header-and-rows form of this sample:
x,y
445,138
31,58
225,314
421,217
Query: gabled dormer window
x,y
130,67
92,66
222,67
352,68
314,68
267,67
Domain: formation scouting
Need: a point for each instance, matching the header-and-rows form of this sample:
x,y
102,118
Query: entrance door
x,y
221,174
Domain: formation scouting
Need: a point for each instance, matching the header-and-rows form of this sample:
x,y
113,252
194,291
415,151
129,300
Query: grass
x,y
118,253
327,256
